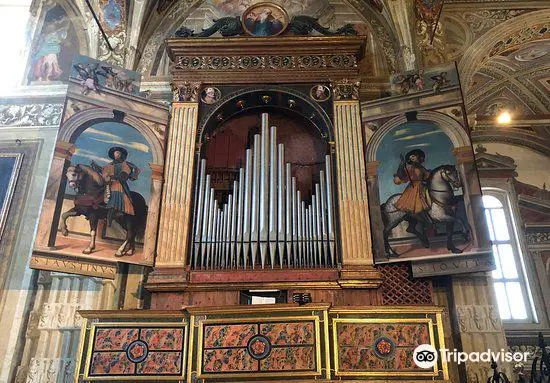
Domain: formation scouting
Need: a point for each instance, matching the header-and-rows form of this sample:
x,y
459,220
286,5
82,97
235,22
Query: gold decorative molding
x,y
81,266
288,59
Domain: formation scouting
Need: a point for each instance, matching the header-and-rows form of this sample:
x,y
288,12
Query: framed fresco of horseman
x,y
108,186
104,195
421,194
102,200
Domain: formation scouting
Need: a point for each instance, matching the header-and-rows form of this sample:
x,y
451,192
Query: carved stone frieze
x,y
537,238
345,89
30,114
478,319
48,370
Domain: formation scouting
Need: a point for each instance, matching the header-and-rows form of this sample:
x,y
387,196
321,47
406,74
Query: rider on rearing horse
x,y
116,175
415,198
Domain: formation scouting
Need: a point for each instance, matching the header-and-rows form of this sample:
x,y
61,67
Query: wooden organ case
x,y
287,214
329,250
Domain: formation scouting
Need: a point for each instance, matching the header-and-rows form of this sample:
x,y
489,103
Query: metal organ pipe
x,y
264,217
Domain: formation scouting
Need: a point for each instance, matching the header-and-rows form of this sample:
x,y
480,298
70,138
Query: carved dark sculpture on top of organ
x,y
266,220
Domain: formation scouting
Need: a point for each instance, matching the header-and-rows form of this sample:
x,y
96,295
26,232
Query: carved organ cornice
x,y
239,60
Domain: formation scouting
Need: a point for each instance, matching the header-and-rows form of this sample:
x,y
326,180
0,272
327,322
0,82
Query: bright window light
x,y
14,16
510,283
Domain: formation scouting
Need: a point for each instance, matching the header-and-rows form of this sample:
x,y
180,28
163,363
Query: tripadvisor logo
x,y
425,356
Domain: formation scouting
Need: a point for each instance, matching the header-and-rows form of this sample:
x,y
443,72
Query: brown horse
x,y
90,187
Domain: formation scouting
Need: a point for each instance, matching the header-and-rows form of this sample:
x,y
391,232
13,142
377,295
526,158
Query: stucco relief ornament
x,y
30,114
345,89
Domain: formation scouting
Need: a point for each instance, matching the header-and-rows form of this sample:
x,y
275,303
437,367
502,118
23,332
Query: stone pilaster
x,y
472,199
177,196
46,233
477,325
356,244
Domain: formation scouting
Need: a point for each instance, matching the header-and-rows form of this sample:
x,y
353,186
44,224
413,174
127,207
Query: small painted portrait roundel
x,y
319,93
211,95
264,20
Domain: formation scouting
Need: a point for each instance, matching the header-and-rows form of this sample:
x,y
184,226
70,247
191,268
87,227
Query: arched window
x,y
510,280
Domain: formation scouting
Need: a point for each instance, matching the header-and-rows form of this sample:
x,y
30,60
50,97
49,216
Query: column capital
x,y
185,92
157,171
345,89
64,150
372,168
463,154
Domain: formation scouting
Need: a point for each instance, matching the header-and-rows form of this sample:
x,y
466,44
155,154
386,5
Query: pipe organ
x,y
265,221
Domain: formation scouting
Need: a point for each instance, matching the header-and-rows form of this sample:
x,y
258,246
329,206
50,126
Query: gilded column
x,y
175,216
355,231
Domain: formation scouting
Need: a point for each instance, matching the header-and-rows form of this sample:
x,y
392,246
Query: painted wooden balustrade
x,y
314,342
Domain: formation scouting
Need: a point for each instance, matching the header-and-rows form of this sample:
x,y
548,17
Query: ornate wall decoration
x,y
537,238
482,20
30,114
117,55
478,318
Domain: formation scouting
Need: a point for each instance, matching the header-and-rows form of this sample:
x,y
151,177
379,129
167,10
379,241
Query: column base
x,y
360,277
168,279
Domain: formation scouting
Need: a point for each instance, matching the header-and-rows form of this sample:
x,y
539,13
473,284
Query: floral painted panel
x,y
290,358
163,338
350,334
259,347
379,346
111,363
228,360
124,351
161,363
114,339
289,333
235,335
